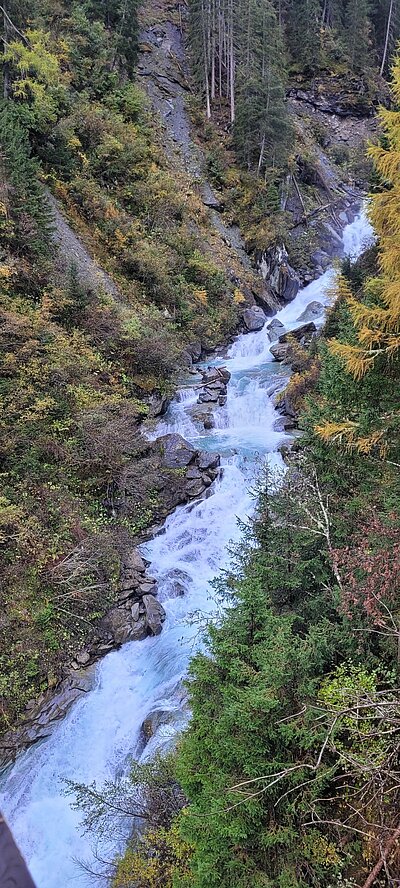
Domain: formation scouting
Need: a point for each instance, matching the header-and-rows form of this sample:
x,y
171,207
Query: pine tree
x,y
303,25
261,127
357,33
28,208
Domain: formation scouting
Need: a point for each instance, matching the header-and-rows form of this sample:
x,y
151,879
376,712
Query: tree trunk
x,y
6,65
387,36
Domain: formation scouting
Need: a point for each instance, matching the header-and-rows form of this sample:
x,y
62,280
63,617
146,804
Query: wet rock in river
x,y
175,451
275,330
313,310
155,614
254,319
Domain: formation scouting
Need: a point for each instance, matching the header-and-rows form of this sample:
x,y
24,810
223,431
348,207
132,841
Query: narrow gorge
x,y
141,684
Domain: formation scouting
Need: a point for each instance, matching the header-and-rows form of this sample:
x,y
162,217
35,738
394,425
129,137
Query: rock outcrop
x,y
304,334
278,273
254,319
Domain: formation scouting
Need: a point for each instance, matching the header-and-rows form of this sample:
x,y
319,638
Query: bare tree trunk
x,y
206,66
8,29
381,863
213,50
387,36
232,63
6,66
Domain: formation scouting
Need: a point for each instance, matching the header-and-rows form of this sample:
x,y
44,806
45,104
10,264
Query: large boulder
x,y
313,310
279,350
155,614
304,332
254,319
176,453
277,271
126,626
275,329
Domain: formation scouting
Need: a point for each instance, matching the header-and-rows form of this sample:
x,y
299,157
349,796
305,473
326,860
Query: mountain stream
x,y
101,731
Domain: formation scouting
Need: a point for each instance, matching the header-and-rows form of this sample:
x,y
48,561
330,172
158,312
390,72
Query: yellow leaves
x,y
159,859
201,296
348,434
36,74
6,272
238,297
40,409
357,361
319,850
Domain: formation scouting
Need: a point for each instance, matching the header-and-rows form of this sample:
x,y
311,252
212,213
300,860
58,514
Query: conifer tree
x,y
374,346
357,33
261,129
303,27
28,208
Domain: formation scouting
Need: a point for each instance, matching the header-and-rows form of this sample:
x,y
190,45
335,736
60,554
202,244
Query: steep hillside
x,y
143,249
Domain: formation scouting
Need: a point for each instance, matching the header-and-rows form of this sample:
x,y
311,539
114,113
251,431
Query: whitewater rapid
x,y
102,729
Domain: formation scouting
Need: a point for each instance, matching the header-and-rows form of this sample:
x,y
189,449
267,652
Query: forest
x,y
287,773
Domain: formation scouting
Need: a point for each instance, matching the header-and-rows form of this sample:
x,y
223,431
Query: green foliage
x,y
28,217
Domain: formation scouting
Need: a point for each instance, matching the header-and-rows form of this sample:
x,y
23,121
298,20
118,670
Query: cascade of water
x,y
103,727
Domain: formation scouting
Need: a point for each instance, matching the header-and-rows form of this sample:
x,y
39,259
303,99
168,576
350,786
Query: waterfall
x,y
102,729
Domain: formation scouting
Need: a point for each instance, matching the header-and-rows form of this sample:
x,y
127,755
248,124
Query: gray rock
x,y
155,614
277,271
82,658
279,350
224,374
139,630
305,331
134,563
195,350
209,423
320,259
208,460
118,621
210,375
209,396
313,310
275,330
135,611
175,451
254,318
195,488
193,474
147,587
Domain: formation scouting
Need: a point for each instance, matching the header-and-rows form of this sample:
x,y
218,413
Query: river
x,y
95,739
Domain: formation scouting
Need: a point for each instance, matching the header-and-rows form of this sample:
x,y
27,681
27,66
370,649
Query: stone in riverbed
x,y
134,563
305,331
208,460
155,614
275,330
195,488
279,350
313,310
175,451
254,319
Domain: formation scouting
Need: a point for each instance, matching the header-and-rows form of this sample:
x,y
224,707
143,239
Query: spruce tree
x,y
357,33
304,21
28,208
261,129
